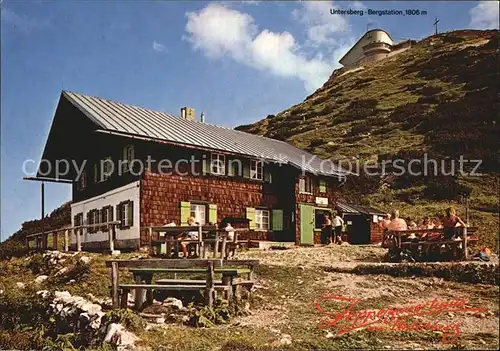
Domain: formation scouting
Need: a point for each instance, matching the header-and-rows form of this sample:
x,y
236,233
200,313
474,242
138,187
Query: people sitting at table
x,y
450,221
189,236
385,221
411,223
396,222
426,224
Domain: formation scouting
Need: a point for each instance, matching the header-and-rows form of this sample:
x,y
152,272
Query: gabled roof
x,y
127,120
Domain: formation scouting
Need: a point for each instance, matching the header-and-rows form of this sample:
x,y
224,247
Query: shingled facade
x,y
128,156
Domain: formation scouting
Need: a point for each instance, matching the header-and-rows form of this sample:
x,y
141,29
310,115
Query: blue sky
x,y
237,61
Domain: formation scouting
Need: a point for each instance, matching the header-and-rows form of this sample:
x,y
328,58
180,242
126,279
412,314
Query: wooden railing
x,y
41,238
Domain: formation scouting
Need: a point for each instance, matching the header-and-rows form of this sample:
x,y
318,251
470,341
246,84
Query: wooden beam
x,y
111,229
179,263
114,284
209,291
66,240
79,233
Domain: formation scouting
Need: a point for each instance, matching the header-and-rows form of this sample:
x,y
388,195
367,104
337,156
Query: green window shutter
x,y
277,220
130,213
185,211
322,186
251,217
212,213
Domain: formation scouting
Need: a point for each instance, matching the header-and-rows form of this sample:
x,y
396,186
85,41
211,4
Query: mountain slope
x,y
439,98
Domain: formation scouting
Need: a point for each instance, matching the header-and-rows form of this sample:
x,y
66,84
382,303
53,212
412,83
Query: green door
x,y
307,224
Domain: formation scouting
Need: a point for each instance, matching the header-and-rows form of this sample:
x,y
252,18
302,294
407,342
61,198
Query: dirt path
x,y
291,281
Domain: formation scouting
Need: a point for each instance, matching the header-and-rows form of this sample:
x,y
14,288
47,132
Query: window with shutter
x,y
261,219
305,185
256,169
89,221
198,212
322,186
218,164
106,216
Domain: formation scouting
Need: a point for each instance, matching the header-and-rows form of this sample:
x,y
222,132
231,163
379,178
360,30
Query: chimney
x,y
187,113
202,118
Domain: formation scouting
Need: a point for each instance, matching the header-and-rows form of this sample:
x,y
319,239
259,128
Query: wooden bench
x,y
143,271
397,240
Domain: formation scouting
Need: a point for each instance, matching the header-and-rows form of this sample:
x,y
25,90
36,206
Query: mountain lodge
x,y
277,186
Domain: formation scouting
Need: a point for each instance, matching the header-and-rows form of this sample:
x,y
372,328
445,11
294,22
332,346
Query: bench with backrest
x,y
144,270
427,238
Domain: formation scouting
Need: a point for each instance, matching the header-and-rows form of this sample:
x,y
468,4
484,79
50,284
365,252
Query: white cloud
x,y
484,15
220,31
158,47
321,25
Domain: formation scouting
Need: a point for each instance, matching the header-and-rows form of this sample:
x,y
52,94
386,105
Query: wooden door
x,y
306,225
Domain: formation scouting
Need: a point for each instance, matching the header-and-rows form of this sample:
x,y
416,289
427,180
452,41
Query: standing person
x,y
326,231
338,222
450,221
396,222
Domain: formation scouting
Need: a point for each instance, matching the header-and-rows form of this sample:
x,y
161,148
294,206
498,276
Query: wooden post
x,y
467,210
124,298
54,240
200,240
150,240
114,284
111,238
464,239
44,241
79,232
227,280
209,291
139,293
216,244
66,240
223,249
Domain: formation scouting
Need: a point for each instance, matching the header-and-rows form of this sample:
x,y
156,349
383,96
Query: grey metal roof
x,y
346,208
131,120
355,209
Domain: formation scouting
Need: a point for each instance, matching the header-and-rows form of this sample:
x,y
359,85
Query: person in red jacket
x,y
450,221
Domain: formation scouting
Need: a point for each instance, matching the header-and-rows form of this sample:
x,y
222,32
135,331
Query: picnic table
x,y
144,270
419,242
208,235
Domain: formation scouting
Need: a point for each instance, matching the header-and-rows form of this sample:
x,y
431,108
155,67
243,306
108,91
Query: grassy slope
x,y
290,282
439,97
